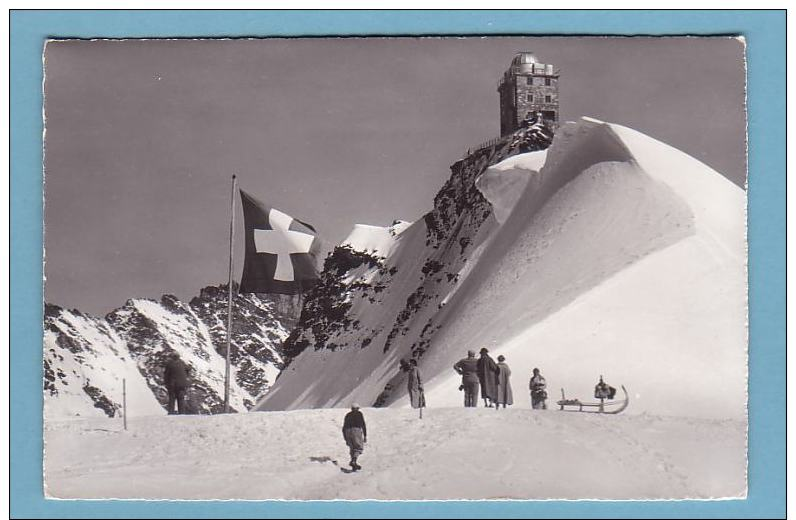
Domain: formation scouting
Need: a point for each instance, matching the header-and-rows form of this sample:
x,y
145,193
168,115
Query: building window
x,y
529,79
548,99
547,82
530,98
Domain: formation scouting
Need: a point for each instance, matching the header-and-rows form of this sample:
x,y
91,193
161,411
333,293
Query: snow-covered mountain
x,y
87,357
609,253
85,360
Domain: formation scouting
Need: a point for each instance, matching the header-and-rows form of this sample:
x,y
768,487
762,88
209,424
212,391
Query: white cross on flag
x,y
281,251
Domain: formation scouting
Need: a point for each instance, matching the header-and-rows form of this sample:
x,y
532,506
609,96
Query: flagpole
x,y
229,297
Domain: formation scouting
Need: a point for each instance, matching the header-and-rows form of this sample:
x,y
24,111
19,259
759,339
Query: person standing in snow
x,y
175,378
468,369
487,376
355,434
603,390
415,386
538,388
504,394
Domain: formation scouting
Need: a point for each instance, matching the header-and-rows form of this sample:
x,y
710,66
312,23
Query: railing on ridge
x,y
486,144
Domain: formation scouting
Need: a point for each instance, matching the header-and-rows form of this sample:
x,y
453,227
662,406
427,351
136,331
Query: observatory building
x,y
527,89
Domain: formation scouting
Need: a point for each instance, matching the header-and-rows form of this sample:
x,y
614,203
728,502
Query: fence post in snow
x,y
124,402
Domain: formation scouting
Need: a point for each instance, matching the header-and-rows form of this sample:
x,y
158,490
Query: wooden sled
x,y
611,407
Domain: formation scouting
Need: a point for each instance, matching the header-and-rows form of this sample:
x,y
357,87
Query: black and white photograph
x,y
405,268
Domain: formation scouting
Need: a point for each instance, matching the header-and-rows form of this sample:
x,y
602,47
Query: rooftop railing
x,y
511,73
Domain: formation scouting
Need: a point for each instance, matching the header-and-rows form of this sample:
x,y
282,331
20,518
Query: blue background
x,y
765,37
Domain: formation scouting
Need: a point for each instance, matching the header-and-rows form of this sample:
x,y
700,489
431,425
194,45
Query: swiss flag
x,y
281,252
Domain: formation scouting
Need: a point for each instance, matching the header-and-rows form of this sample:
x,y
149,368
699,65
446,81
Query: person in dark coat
x,y
355,434
415,386
504,393
487,376
603,390
538,388
175,378
468,369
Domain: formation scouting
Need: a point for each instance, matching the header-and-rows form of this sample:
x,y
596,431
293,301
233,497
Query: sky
x,y
143,136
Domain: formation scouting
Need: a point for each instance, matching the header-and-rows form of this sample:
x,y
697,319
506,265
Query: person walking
x,y
538,388
504,393
175,379
415,386
487,376
468,369
355,434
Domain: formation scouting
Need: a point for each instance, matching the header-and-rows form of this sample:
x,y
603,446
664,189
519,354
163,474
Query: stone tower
x,y
526,89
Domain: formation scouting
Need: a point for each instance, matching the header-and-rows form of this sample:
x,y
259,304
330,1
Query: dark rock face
x,y
326,309
145,332
260,324
101,401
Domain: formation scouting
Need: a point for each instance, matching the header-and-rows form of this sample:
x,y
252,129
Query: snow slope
x,y
449,454
633,269
611,254
375,239
504,183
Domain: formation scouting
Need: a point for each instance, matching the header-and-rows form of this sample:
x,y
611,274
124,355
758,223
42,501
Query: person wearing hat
x,y
538,388
504,393
355,434
415,385
175,379
468,369
487,376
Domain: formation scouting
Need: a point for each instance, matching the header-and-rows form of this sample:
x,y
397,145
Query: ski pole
x,y
124,402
